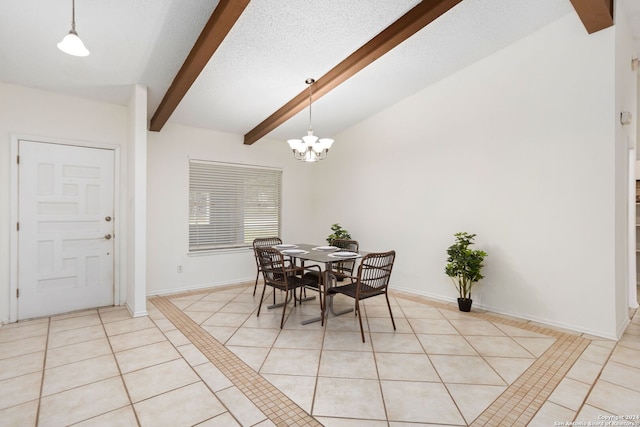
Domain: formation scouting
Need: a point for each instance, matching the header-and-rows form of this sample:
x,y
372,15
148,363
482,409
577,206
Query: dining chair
x,y
261,243
282,275
344,269
372,280
341,269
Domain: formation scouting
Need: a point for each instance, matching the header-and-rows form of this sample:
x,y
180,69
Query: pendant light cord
x,y
310,128
73,15
310,81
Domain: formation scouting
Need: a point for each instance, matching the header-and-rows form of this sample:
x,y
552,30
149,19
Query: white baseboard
x,y
139,313
197,287
551,323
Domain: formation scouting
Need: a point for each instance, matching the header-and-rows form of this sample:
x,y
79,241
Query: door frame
x,y
632,247
13,218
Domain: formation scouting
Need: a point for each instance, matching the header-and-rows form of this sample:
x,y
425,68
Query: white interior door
x,y
65,237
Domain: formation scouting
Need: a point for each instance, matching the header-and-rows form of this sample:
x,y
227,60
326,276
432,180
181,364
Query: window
x,y
230,205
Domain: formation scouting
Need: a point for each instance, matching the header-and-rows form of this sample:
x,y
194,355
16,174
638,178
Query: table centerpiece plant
x,y
338,233
464,266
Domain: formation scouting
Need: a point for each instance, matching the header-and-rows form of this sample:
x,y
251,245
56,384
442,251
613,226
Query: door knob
x,y
107,218
107,236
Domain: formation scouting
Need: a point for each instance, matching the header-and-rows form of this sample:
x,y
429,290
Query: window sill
x,y
209,252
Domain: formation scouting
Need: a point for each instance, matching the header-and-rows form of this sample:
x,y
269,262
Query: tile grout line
x,y
513,407
262,393
548,375
120,374
517,405
44,368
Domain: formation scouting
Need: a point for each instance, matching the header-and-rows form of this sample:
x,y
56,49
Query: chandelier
x,y
310,148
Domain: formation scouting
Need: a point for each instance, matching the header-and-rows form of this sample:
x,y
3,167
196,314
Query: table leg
x,y
280,304
327,280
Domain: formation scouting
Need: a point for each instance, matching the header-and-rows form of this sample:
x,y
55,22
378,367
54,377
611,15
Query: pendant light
x,y
71,43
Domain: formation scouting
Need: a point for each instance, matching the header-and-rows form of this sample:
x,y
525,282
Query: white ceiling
x,y
263,62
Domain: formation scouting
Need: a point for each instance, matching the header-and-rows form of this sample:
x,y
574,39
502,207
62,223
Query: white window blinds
x,y
231,205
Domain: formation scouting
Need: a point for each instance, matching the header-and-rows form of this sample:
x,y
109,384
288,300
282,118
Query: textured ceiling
x,y
263,62
131,41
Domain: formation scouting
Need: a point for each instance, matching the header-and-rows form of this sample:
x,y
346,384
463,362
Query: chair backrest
x,y
345,267
349,245
264,242
271,262
374,272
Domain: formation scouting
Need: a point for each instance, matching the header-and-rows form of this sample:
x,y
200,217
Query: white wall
x,y
36,113
626,92
136,207
518,148
168,200
521,148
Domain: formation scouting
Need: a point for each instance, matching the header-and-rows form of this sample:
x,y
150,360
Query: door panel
x,y
65,208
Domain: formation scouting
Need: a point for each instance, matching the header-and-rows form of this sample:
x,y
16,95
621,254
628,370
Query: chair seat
x,y
297,282
314,277
350,290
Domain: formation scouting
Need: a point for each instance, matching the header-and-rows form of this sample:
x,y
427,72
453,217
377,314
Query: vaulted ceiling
x,y
249,58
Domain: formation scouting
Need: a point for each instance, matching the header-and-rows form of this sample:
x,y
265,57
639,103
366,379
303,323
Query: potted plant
x,y
338,233
464,266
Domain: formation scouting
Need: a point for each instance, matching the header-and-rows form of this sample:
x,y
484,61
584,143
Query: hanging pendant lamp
x,y
310,148
71,43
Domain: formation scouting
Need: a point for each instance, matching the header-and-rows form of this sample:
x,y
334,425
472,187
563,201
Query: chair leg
x,y
256,285
360,318
323,282
390,313
284,307
264,288
322,306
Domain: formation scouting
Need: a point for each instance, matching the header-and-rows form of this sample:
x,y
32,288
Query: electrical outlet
x,y
179,268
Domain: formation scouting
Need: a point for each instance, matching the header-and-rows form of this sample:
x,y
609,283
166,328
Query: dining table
x,y
324,255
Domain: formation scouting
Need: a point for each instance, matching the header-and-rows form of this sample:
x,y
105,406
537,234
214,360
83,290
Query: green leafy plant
x,y
338,233
464,265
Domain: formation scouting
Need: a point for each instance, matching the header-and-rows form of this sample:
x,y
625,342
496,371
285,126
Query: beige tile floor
x,y
204,358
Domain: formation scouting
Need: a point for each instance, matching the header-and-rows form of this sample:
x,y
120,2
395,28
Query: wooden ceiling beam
x,y
410,23
595,15
220,23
